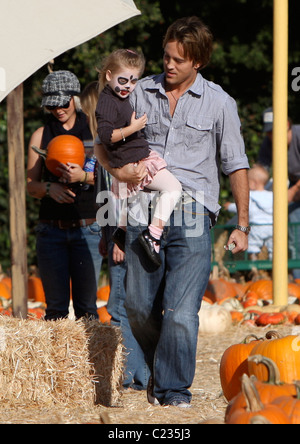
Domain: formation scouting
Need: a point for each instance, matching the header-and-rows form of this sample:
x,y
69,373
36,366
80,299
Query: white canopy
x,y
33,32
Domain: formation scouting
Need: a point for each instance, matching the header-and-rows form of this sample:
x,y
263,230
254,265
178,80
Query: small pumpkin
x,y
254,407
234,364
270,319
5,291
64,149
214,319
219,289
294,291
35,289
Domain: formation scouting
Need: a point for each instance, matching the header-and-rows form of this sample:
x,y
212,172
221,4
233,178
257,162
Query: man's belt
x,y
66,224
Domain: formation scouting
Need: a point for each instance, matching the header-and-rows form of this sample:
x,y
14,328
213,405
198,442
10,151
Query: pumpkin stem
x,y
39,151
250,338
273,334
259,419
274,374
251,395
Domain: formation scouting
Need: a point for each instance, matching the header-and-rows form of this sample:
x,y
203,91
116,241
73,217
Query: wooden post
x,y
280,153
17,203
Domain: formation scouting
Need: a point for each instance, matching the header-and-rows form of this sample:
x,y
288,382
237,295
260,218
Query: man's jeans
x,y
69,254
136,372
163,304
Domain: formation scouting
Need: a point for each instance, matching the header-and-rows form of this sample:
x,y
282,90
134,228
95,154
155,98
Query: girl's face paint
x,y
123,82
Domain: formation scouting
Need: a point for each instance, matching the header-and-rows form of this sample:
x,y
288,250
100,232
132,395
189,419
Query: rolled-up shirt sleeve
x,y
229,137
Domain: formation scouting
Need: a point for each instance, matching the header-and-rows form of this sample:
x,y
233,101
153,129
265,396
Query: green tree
x,y
242,63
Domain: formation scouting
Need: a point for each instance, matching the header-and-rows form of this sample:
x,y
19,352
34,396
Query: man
x,y
194,125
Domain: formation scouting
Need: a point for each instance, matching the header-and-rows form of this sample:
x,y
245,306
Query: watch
x,y
245,230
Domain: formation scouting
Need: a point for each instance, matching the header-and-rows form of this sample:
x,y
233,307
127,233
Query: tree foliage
x,y
241,63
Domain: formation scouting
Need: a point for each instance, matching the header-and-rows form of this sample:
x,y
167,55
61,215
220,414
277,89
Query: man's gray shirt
x,y
203,135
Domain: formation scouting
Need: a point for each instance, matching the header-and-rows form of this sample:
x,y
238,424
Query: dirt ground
x,y
207,403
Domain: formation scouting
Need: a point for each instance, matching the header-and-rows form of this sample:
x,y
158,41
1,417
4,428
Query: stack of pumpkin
x,y
260,380
230,302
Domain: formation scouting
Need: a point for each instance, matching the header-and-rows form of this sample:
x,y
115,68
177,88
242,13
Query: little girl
x,y
120,132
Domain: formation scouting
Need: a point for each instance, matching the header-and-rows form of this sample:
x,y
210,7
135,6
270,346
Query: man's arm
x,y
240,190
128,173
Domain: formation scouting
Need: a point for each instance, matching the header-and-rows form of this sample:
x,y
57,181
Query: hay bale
x,y
48,363
106,354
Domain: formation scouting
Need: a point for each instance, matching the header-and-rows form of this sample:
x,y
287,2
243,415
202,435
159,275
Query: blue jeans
x,y
65,255
163,304
136,373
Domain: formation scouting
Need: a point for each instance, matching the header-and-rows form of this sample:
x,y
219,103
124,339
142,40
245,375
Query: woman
x,y
67,234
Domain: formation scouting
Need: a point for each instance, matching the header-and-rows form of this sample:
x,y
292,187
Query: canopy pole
x,y
17,203
280,153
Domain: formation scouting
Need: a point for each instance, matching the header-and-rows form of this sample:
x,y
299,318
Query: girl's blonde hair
x,y
89,99
118,59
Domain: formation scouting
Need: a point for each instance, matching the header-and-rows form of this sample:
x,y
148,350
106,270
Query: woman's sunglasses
x,y
64,106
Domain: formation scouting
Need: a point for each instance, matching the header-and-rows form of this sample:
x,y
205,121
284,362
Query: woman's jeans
x,y
67,258
136,373
163,304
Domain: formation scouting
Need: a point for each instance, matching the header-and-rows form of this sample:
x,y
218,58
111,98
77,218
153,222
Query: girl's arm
x,y
135,125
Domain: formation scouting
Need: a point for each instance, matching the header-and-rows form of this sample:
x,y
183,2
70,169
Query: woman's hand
x,y
70,172
61,193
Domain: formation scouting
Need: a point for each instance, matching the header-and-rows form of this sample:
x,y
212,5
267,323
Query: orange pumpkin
x,y
63,149
7,281
294,290
104,316
5,291
250,299
103,293
234,364
36,313
270,319
219,289
268,390
290,405
285,352
35,289
263,288
255,407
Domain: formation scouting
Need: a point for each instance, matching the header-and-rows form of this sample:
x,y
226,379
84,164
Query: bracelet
x,y
122,134
85,177
48,185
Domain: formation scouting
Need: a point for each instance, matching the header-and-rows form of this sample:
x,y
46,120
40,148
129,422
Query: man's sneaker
x,y
151,398
181,403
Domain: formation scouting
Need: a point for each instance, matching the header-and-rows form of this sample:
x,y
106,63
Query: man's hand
x,y
240,240
130,173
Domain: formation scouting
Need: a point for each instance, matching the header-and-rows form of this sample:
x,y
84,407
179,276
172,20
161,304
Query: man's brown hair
x,y
194,36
